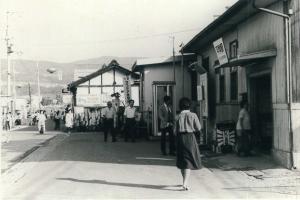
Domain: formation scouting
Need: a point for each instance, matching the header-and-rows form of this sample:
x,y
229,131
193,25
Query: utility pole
x,y
29,93
182,67
8,52
38,83
174,71
14,86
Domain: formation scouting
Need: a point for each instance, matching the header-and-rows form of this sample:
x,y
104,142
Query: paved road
x,y
81,166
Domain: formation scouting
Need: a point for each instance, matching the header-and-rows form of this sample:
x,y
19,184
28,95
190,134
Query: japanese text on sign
x,y
221,51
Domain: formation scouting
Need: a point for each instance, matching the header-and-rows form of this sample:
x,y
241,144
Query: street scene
x,y
150,99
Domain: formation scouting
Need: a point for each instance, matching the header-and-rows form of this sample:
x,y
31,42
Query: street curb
x,y
27,153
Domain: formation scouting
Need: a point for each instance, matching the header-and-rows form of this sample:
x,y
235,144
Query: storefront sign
x,y
88,100
221,51
67,99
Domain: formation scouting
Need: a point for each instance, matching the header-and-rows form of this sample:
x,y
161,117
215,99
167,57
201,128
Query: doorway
x,y
262,112
160,90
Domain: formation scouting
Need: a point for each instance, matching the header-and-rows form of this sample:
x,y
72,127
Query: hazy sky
x,y
69,30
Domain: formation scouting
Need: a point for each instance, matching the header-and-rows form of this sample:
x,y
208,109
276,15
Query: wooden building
x,y
160,77
95,89
245,53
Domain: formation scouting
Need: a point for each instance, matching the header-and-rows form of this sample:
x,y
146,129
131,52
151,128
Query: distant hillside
x,y
26,72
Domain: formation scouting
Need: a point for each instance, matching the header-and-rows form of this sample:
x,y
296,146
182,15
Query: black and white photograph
x,y
149,99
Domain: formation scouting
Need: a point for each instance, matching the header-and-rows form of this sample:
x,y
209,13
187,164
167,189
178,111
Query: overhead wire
x,y
121,39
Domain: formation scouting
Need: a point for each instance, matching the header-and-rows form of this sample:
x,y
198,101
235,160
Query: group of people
x,y
107,119
110,121
8,121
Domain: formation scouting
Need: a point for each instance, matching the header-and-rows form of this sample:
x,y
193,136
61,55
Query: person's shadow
x,y
157,187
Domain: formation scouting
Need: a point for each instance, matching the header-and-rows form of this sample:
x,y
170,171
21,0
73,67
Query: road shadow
x,y
133,185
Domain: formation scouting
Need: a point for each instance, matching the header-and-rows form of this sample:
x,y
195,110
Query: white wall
x,y
164,72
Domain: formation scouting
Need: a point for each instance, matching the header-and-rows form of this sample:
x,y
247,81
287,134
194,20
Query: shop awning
x,y
248,58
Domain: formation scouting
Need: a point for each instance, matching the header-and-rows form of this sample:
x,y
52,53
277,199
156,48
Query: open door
x,y
262,112
160,90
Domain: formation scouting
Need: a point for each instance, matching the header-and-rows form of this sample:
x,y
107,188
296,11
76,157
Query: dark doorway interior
x,y
262,113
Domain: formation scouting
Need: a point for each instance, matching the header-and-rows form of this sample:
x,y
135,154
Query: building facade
x,y
256,68
95,90
160,77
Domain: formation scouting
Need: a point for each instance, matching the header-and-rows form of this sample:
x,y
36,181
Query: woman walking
x,y
188,154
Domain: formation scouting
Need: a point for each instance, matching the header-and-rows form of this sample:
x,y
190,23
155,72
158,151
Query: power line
x,y
124,39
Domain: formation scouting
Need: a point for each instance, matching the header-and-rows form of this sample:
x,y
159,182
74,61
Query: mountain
x,y
51,84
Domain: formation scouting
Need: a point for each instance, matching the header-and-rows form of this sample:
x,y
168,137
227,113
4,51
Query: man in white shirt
x,y
42,121
109,115
129,115
243,128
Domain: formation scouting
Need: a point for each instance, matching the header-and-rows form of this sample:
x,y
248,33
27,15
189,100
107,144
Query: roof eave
x,y
226,16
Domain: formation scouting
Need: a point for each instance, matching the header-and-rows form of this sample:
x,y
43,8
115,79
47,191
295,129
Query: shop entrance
x,y
160,90
262,112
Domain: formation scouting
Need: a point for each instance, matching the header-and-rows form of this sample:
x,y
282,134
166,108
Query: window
x,y
233,84
222,87
233,49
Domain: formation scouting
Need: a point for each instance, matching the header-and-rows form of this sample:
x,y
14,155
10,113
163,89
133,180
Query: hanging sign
x,y
221,51
202,94
127,89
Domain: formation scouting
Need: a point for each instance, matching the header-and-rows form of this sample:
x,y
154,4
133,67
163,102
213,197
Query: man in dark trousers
x,y
166,125
130,123
109,115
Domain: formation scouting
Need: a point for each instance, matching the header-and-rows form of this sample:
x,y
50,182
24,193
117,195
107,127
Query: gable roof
x,y
237,13
112,65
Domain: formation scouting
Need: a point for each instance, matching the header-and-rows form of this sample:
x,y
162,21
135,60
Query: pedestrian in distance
x,y
8,120
57,120
243,130
188,154
35,118
130,123
109,117
42,121
69,120
166,124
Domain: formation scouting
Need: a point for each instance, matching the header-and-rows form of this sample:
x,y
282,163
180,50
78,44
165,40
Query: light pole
x,y
38,83
173,53
50,70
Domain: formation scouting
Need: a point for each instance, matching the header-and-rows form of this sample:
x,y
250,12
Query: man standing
x,y
243,129
166,125
42,121
129,115
109,115
57,120
8,121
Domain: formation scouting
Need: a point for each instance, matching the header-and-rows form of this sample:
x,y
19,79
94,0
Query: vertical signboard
x,y
221,51
202,94
127,89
